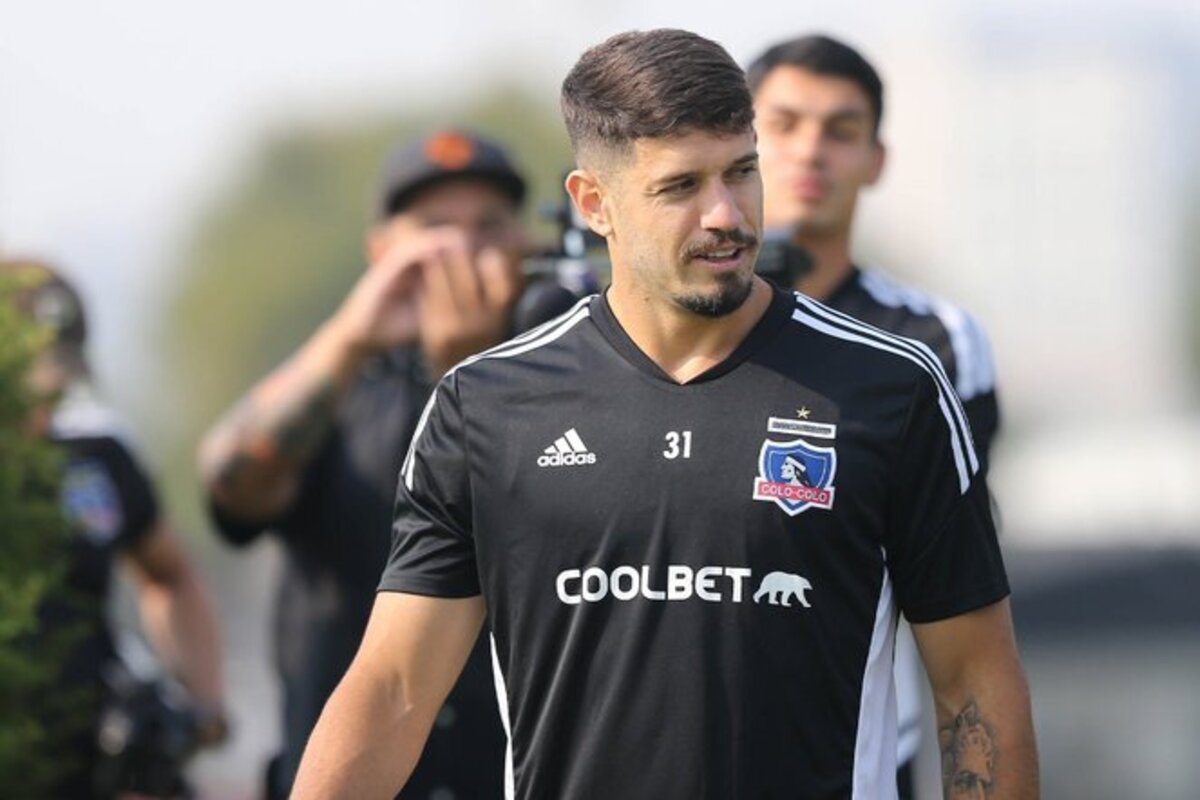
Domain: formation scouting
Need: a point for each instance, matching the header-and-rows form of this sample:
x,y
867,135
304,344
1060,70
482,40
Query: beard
x,y
732,287
732,290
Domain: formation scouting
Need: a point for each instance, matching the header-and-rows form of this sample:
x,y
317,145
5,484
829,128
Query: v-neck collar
x,y
777,313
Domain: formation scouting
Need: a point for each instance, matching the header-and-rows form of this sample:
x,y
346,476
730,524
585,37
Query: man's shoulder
x,y
85,426
887,291
952,332
545,343
863,350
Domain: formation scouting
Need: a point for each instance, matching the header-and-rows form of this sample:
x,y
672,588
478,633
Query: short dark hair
x,y
822,55
652,84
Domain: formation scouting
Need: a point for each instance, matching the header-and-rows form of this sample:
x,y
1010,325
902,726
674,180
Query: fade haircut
x,y
822,55
652,84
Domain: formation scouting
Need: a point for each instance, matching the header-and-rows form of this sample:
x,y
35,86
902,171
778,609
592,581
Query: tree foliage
x,y
35,536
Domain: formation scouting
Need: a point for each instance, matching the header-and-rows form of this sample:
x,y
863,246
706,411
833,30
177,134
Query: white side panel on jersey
x,y
974,369
510,783
966,462
908,694
875,745
538,337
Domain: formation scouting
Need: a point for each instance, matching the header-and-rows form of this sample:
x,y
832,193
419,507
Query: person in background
x,y
313,451
111,505
819,107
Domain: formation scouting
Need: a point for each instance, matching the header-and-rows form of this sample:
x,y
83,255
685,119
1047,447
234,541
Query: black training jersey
x,y
954,336
693,589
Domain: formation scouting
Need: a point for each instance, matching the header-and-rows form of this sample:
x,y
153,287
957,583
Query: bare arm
x,y
985,724
425,284
177,613
252,460
374,726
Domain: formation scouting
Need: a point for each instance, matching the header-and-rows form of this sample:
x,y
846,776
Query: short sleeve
x,y
433,549
941,539
108,495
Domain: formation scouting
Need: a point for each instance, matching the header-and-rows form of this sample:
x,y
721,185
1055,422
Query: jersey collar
x,y
777,313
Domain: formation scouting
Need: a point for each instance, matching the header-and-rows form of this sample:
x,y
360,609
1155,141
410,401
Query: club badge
x,y
796,475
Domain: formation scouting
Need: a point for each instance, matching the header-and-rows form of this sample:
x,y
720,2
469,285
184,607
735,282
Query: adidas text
x,y
566,459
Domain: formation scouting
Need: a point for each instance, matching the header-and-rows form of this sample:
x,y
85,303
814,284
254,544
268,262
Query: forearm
x,y
252,459
366,743
984,718
374,727
180,621
985,734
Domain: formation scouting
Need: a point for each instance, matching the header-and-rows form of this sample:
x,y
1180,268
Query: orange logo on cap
x,y
449,150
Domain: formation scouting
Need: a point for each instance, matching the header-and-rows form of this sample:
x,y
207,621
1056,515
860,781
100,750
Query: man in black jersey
x,y
672,616
819,106
311,454
112,507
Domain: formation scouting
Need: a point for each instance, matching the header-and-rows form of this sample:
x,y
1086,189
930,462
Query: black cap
x,y
444,155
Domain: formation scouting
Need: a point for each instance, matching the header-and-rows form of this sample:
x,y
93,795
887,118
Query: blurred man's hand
x,y
466,301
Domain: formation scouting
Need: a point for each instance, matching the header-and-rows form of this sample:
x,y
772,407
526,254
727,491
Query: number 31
x,y
674,438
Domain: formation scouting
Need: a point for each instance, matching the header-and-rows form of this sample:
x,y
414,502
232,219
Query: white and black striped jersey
x,y
954,335
693,590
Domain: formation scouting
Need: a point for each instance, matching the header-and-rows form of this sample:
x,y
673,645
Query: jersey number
x,y
674,440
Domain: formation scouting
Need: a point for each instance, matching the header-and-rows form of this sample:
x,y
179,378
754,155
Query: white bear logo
x,y
780,587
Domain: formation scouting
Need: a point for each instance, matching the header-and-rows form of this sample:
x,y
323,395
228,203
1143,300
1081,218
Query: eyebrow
x,y
837,115
661,183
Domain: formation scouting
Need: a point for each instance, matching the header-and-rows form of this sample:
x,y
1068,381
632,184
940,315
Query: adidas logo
x,y
567,451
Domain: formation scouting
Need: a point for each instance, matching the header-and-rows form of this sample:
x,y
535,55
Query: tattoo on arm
x,y
287,433
968,745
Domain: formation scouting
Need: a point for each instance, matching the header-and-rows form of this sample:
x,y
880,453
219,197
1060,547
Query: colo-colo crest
x,y
796,475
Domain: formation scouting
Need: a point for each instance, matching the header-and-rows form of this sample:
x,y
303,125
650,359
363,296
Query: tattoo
x,y
267,432
969,753
299,432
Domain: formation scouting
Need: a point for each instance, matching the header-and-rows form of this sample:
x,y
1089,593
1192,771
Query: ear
x,y
879,159
588,195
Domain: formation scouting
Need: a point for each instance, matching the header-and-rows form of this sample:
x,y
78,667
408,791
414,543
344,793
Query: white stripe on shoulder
x,y
974,368
833,323
531,340
538,337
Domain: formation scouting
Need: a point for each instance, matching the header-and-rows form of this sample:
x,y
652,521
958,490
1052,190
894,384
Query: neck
x,y
831,262
683,344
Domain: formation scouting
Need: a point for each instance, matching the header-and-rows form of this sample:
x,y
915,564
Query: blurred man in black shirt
x,y
313,451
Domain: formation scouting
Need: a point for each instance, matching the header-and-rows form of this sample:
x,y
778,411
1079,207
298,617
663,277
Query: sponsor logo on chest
x,y
679,582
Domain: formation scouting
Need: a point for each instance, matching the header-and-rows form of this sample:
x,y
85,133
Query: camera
x,y
780,261
148,731
556,278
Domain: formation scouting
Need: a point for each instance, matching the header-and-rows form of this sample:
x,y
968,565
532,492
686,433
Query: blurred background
x,y
203,171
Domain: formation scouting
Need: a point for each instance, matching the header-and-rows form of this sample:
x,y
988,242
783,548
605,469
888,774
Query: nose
x,y
721,210
805,143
